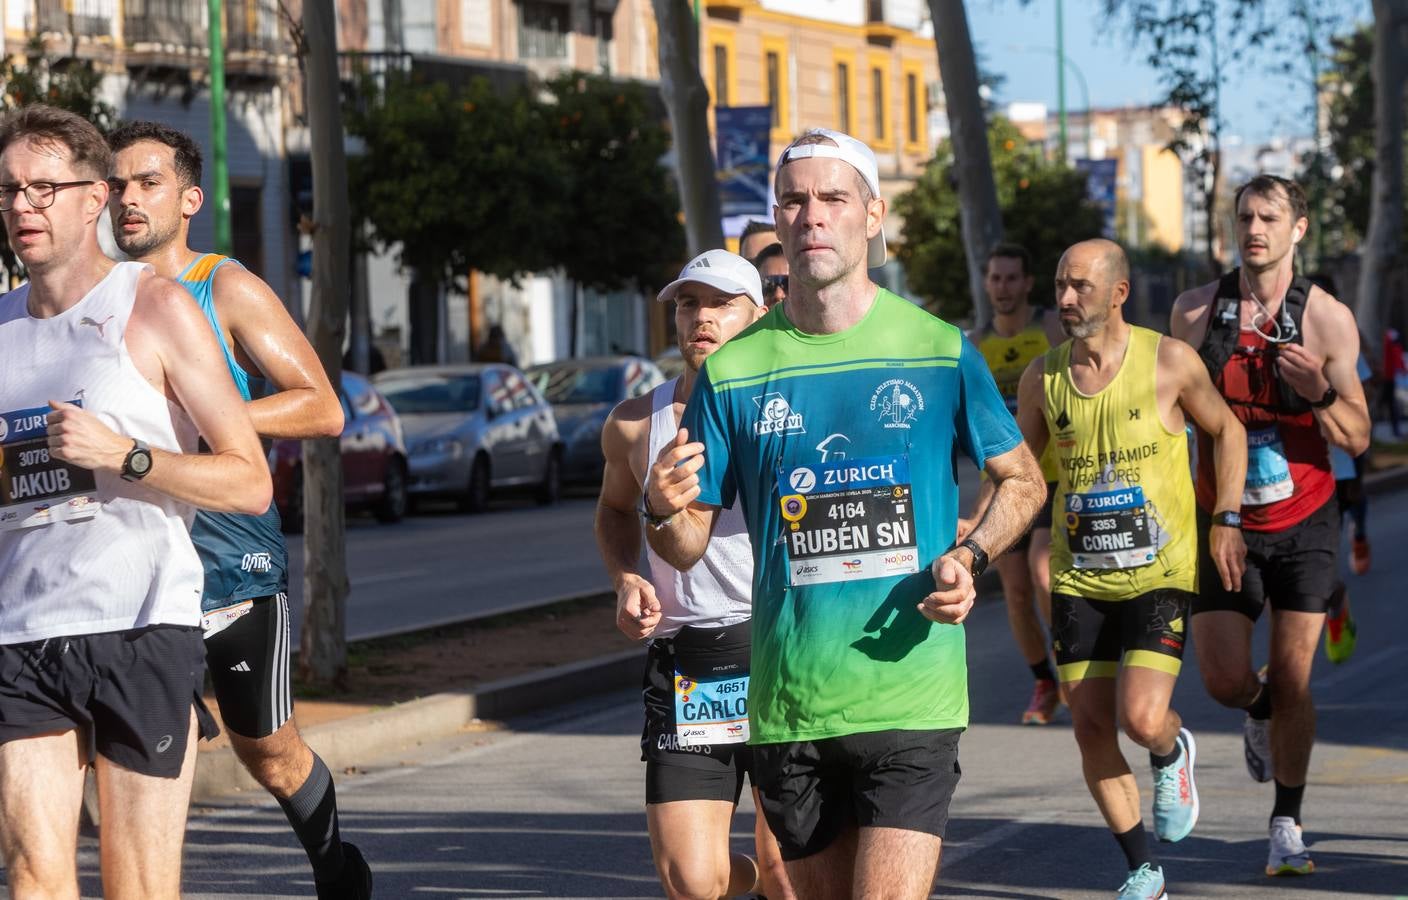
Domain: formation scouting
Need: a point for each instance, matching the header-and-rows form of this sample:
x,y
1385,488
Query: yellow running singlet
x,y
1124,508
1007,359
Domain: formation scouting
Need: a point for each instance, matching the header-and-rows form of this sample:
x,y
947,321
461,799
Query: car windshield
x,y
576,384
431,393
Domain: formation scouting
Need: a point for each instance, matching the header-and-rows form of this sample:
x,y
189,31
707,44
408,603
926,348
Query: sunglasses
x,y
774,283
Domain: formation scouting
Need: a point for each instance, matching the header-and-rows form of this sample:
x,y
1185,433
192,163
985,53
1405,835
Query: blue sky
x,y
1017,40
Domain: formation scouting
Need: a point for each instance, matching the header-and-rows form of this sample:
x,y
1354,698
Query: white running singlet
x,y
80,561
718,590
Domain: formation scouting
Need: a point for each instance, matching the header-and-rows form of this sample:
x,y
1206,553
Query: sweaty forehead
x,y
144,156
34,159
702,294
1274,200
817,174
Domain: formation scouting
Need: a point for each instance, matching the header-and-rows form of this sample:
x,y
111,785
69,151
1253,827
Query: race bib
x,y
711,711
1109,529
217,620
36,489
1268,472
848,520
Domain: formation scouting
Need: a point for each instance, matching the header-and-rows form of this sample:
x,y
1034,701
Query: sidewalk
x,y
348,735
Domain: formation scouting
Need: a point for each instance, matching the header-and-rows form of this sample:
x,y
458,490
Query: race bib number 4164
x,y
35,488
848,520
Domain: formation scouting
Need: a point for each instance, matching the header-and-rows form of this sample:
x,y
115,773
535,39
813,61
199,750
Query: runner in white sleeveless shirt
x,y
696,672
107,374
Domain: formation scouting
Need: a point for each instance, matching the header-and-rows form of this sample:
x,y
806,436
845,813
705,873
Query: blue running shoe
x,y
1144,883
1175,792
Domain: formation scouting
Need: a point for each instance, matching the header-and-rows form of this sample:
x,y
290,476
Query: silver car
x,y
474,429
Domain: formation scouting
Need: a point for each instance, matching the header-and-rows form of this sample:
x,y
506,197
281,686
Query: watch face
x,y
139,463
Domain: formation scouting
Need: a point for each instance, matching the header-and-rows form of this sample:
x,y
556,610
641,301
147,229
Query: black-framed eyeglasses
x,y
774,283
40,194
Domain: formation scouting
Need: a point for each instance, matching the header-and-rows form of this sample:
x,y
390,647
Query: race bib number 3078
x,y
35,488
848,520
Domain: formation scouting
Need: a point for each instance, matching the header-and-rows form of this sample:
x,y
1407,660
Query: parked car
x,y
582,393
474,429
373,459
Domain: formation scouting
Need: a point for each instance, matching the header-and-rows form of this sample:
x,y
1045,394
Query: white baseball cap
x,y
719,269
858,156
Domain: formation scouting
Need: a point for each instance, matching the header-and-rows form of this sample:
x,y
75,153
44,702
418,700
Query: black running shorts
x,y
249,663
672,771
1093,637
129,694
813,791
1295,569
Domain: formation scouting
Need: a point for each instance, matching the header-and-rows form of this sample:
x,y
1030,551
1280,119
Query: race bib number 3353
x,y
848,520
35,488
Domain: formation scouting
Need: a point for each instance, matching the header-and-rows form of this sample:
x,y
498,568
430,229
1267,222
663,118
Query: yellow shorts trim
x,y
1087,668
1147,659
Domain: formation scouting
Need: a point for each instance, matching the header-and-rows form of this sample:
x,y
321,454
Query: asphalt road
x,y
441,566
552,806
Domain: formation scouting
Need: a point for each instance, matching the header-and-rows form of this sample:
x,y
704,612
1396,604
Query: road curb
x,y
348,742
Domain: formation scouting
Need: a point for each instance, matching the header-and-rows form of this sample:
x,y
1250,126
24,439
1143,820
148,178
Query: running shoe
x,y
1288,855
1256,743
355,880
1359,556
1046,696
1144,883
1340,631
1175,792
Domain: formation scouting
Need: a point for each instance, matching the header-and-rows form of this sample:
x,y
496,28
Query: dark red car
x,y
373,459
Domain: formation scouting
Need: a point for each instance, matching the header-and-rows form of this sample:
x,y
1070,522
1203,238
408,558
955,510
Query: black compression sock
x,y
1288,801
1260,708
1135,844
312,811
1162,761
1042,671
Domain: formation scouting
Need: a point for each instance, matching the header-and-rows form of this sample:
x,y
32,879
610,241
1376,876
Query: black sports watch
x,y
980,557
1228,518
1331,395
659,523
138,462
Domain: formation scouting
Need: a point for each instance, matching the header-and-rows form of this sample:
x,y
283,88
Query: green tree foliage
x,y
66,82
511,182
1344,176
1044,206
622,220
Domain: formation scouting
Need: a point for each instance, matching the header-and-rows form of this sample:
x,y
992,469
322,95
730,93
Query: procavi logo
x,y
897,402
775,416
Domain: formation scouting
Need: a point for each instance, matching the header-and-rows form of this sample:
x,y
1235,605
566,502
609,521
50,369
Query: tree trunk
x,y
1382,243
687,100
981,217
323,646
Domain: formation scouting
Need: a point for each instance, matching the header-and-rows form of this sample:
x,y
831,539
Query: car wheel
x,y
550,491
476,495
292,515
394,500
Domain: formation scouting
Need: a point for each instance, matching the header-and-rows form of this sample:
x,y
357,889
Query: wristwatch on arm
x,y
980,557
659,523
1330,396
138,462
1228,518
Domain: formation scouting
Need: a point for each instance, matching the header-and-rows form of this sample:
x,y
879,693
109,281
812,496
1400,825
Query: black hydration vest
x,y
1224,325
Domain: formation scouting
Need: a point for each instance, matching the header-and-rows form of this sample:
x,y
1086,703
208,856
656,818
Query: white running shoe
x,y
1288,855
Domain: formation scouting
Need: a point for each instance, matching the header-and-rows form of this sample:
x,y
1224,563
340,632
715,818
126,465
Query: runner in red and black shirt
x,y
1283,353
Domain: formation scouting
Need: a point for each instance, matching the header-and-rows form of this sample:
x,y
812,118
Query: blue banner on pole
x,y
744,167
1101,176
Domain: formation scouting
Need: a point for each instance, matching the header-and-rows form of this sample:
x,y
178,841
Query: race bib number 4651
x,y
35,488
848,520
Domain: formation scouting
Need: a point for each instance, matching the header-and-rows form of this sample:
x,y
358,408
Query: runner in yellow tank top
x,y
1020,333
1124,560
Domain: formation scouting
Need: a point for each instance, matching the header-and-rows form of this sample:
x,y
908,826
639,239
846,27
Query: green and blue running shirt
x,y
843,450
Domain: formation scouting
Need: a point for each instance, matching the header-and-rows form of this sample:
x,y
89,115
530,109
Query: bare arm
x,y
1200,399
1018,493
173,347
1346,422
305,404
618,527
671,488
1188,320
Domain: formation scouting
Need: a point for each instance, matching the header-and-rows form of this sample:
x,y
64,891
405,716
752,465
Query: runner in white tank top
x,y
696,671
107,373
